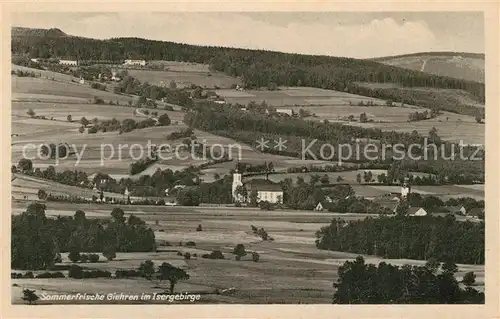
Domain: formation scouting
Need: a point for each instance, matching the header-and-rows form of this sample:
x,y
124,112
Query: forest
x,y
434,283
258,68
37,241
442,238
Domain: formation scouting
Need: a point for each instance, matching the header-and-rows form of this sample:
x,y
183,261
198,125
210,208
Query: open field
x,y
27,88
184,76
290,270
458,65
295,96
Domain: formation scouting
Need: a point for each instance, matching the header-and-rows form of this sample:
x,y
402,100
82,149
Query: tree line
x,y
260,68
37,241
434,283
442,238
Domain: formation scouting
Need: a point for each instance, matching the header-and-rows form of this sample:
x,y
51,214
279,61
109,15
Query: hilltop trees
x,y
442,238
36,240
361,283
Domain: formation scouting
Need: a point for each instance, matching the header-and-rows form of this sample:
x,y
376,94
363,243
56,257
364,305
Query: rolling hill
x,y
260,68
459,65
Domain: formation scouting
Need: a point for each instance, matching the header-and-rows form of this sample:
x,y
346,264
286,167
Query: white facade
x,y
405,191
68,62
270,196
135,62
236,182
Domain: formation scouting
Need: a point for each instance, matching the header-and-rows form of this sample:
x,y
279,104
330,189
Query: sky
x,y
348,34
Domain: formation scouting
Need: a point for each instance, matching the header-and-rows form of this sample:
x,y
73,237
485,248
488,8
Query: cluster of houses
x,y
392,200
70,62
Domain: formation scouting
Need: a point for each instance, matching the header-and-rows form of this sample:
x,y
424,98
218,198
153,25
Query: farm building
x,y
265,189
324,205
135,62
288,112
34,60
417,211
68,62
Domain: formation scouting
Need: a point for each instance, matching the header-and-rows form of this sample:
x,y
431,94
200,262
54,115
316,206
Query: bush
x,y
127,273
75,272
29,274
74,256
199,228
255,256
216,254
179,253
51,275
84,258
195,255
191,244
187,255
239,251
93,258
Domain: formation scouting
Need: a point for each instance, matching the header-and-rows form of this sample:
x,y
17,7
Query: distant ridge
x,y
435,53
35,32
458,65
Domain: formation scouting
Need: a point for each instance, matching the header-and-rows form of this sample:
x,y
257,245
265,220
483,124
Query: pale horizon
x,y
346,34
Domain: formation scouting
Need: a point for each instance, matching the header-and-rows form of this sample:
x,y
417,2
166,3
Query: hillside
x,y
258,68
31,32
460,65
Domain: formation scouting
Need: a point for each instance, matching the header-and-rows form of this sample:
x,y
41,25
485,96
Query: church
x,y
265,190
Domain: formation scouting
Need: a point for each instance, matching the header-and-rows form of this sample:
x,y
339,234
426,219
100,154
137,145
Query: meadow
x,y
290,269
184,77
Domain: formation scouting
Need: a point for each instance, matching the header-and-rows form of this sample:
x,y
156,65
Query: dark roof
x,y
476,211
453,208
260,184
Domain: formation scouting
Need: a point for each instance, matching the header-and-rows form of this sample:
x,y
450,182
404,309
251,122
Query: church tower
x,y
405,189
236,182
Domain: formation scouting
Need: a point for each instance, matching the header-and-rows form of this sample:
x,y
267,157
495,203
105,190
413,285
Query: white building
x,y
405,189
266,190
285,111
417,211
135,62
68,62
34,60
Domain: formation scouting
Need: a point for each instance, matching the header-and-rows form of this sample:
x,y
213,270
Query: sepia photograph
x,y
234,157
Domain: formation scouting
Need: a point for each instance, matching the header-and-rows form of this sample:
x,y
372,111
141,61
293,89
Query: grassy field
x,y
460,66
184,76
290,270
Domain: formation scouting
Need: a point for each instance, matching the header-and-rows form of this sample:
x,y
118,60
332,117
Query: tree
x,y
13,169
216,176
325,179
255,256
29,296
199,228
147,269
358,178
109,252
74,256
432,265
164,119
81,129
172,85
42,195
69,118
239,251
31,113
339,179
479,119
84,121
25,165
363,118
172,274
469,279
